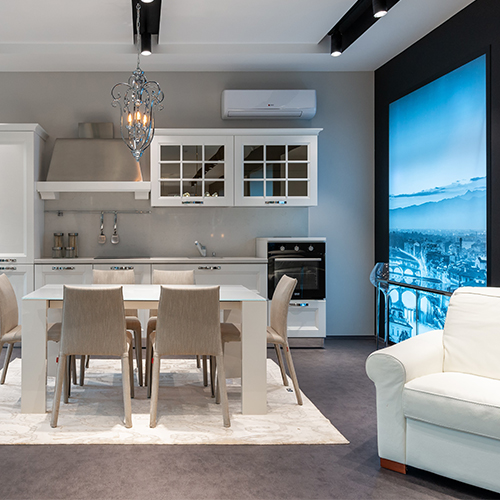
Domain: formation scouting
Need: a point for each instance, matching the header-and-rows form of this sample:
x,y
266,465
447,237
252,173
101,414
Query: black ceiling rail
x,y
150,18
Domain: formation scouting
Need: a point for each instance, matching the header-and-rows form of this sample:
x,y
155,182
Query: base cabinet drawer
x,y
306,318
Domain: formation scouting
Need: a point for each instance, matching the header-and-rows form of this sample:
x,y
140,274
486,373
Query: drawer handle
x,y
121,268
278,202
8,268
209,268
8,260
302,304
192,203
63,268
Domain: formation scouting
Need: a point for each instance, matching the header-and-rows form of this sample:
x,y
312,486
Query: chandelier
x,y
138,100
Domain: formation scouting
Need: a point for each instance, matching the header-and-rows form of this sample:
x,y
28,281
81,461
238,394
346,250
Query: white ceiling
x,y
206,35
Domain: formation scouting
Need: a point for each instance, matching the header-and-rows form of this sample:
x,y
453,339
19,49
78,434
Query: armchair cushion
x,y
458,401
472,332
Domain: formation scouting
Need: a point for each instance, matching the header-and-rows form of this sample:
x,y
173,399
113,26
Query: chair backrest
x,y
279,305
189,321
93,321
9,313
115,277
171,278
471,336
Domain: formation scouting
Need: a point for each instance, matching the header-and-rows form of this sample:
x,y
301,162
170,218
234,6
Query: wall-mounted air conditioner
x,y
247,104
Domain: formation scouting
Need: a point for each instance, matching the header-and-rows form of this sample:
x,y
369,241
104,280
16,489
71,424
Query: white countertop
x,y
155,260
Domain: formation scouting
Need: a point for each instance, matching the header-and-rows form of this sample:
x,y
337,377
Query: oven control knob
x,y
311,248
282,248
296,248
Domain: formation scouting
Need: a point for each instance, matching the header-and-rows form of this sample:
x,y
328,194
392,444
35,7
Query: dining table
x,y
253,307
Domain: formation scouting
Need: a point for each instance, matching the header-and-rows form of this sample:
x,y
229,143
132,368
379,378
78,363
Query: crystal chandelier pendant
x,y
138,99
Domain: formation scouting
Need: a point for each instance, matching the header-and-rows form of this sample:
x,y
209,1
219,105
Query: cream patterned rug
x,y
186,412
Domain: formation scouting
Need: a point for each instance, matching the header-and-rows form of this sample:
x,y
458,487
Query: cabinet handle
x,y
63,268
209,268
8,260
192,203
278,202
121,268
302,304
8,268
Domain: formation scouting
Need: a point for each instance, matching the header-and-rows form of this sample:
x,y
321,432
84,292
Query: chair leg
x,y
205,373
149,354
82,369
213,370
291,368
67,377
127,403
131,369
197,361
73,369
155,386
61,377
221,377
6,362
88,361
280,362
138,353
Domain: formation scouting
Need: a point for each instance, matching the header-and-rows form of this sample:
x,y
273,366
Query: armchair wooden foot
x,y
395,466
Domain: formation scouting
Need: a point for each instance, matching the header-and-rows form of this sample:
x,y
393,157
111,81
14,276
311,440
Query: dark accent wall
x,y
467,35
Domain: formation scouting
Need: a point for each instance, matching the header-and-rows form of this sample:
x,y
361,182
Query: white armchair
x,y
438,394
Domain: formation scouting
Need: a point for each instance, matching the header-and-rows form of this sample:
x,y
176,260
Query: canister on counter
x,y
59,239
69,252
57,252
73,242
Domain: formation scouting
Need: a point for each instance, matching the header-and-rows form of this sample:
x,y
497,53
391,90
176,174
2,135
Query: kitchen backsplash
x,y
166,232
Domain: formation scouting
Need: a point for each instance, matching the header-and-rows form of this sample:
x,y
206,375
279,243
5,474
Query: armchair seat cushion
x,y
458,401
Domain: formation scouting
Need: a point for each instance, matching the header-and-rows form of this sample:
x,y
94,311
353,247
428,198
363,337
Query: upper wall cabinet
x,y
276,170
193,169
241,167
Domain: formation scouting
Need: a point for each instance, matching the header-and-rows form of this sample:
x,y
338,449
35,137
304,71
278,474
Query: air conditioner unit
x,y
247,104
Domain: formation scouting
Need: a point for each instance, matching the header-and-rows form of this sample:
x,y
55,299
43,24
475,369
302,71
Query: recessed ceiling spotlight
x,y
379,8
147,1
336,45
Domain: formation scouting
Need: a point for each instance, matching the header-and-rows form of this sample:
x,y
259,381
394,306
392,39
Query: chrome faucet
x,y
202,249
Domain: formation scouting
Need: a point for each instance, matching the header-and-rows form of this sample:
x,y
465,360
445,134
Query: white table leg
x,y
34,357
254,355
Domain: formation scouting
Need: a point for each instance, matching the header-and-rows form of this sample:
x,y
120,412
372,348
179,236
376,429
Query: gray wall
x,y
59,101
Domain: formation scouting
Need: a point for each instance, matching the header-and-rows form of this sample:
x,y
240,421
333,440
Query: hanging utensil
x,y
115,239
102,237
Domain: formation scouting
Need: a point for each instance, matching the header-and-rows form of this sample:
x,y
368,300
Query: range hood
x,y
95,162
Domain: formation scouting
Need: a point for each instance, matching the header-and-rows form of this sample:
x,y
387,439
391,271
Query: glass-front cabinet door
x,y
192,171
275,170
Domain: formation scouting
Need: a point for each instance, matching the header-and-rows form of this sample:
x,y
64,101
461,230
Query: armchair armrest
x,y
390,369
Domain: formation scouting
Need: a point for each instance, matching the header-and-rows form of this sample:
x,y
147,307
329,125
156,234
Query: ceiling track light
x,y
379,8
145,44
336,44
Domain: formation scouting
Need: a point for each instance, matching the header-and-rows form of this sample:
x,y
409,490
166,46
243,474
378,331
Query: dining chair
x,y
162,278
188,324
93,323
277,331
123,277
10,329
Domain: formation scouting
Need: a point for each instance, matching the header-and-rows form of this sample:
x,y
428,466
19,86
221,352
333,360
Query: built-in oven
x,y
303,260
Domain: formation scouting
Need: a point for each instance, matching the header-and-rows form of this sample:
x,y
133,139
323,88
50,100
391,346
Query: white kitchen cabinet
x,y
142,274
21,279
21,212
191,170
253,276
276,170
307,319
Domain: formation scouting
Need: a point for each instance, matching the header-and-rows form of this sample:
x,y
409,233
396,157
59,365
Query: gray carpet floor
x,y
333,378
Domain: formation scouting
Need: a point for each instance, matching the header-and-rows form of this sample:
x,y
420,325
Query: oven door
x,y
309,272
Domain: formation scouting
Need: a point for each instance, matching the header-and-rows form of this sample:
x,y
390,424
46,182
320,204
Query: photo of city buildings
x,y
437,200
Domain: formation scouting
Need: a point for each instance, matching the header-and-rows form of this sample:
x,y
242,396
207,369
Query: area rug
x,y
187,414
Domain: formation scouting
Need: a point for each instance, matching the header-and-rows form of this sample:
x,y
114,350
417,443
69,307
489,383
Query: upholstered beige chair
x,y
93,323
277,332
10,329
124,277
162,278
188,324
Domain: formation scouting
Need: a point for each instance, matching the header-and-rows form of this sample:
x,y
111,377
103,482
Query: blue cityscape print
x,y
437,196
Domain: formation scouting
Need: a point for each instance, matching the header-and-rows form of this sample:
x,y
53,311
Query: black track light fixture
x,y
379,8
336,44
145,44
